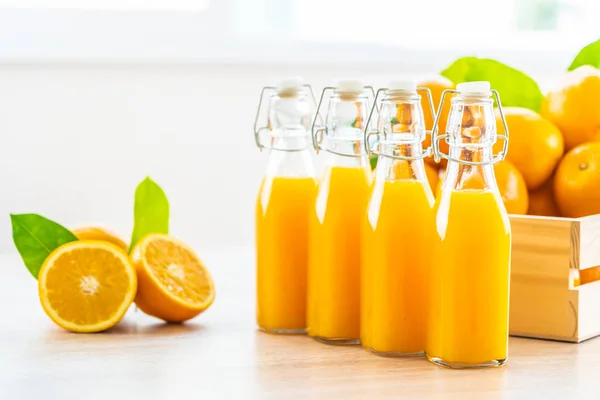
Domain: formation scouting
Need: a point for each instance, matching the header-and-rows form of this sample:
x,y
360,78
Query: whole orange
x,y
432,176
577,181
510,184
512,187
574,106
441,177
541,200
436,85
99,233
589,275
535,146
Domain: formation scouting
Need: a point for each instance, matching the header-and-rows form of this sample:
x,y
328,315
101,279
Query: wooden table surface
x,y
221,355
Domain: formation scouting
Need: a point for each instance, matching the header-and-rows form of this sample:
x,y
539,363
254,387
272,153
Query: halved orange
x,y
87,286
99,233
173,284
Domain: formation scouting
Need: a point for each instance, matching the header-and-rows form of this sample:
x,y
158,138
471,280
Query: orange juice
x,y
366,238
396,267
283,212
334,268
469,315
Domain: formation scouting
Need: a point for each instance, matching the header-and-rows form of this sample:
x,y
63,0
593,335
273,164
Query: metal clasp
x,y
321,130
438,155
258,130
370,132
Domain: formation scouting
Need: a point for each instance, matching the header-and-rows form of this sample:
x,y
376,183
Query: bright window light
x,y
162,5
426,31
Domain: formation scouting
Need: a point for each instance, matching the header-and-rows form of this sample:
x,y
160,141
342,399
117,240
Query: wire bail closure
x,y
435,139
319,132
371,132
258,130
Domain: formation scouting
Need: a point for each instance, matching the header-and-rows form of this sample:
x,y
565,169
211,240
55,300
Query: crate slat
x,y
589,252
588,309
541,302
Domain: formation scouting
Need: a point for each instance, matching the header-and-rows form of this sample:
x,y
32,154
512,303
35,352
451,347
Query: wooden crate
x,y
544,303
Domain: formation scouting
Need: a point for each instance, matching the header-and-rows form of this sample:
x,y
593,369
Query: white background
x,y
93,101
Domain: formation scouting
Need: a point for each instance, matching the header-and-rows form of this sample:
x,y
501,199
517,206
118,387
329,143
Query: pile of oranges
x,y
553,163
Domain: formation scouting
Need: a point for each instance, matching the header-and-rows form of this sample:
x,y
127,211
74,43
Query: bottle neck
x,y
291,156
336,160
345,150
286,140
461,176
389,168
344,126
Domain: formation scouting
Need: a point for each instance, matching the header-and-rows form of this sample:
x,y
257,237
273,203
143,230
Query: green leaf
x,y
36,237
150,211
589,55
373,161
515,87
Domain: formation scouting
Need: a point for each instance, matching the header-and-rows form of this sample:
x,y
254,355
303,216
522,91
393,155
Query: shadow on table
x,y
129,328
155,328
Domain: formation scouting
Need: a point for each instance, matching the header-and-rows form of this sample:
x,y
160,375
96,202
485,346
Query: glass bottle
x,y
470,279
283,208
334,263
397,228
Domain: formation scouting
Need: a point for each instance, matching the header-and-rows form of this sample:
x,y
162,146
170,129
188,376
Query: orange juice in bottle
x,y
397,229
470,276
283,209
334,263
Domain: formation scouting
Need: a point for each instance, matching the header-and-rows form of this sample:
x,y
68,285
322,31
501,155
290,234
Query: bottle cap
x,y
290,84
350,86
408,85
473,87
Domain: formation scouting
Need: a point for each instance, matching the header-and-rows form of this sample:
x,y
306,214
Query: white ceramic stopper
x,y
473,87
291,84
350,86
408,85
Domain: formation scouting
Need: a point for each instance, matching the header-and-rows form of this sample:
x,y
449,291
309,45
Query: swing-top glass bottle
x,y
283,208
472,244
397,227
334,266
